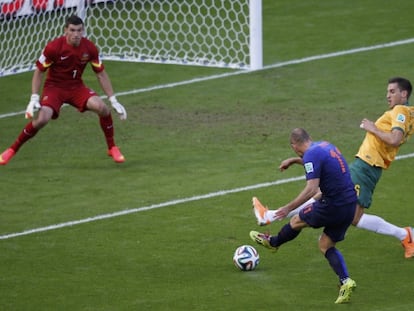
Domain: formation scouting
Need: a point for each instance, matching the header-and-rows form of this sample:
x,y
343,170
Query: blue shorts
x,y
334,219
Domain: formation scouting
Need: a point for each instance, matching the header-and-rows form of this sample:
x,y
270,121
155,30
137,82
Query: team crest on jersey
x,y
308,167
401,118
84,58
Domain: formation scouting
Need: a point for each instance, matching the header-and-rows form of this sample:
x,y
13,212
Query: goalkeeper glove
x,y
33,104
118,107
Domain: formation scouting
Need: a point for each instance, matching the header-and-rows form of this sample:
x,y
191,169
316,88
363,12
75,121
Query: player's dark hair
x,y
73,20
403,84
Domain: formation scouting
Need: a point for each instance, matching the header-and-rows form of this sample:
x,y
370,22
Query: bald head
x,y
300,141
299,136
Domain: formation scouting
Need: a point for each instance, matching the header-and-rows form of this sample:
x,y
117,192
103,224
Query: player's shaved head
x,y
299,136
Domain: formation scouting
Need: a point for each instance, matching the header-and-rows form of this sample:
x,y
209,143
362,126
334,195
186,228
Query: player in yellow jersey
x,y
379,148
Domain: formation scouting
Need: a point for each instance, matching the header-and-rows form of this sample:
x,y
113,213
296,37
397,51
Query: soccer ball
x,y
246,258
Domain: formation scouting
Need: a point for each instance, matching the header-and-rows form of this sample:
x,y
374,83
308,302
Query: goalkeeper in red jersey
x,y
65,59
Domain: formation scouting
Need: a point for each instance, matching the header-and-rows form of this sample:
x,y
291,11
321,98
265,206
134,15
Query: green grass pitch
x,y
198,139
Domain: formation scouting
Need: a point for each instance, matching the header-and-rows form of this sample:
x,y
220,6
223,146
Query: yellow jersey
x,y
376,152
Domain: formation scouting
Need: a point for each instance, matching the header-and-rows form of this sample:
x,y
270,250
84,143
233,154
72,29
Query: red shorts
x,y
55,97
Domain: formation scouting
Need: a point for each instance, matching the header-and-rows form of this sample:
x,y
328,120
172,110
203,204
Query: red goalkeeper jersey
x,y
66,63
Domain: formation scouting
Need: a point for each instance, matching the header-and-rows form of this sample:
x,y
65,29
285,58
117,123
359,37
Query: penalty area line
x,y
164,204
242,72
150,207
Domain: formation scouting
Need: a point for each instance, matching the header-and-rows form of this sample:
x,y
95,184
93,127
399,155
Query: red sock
x,y
28,132
108,129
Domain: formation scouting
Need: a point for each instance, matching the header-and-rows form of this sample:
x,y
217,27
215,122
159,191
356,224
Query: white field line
x,y
240,72
213,194
164,204
150,207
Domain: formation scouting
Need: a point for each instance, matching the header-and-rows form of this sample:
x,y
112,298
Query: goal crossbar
x,y
215,33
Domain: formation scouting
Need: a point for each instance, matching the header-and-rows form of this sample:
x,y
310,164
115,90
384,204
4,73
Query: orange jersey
x,y
376,152
66,63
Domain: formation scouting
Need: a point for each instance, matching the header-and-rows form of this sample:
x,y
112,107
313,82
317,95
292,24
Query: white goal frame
x,y
215,33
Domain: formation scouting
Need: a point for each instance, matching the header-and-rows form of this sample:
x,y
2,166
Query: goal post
x,y
215,33
255,35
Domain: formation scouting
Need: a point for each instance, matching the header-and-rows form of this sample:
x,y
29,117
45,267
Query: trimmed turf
x,y
198,139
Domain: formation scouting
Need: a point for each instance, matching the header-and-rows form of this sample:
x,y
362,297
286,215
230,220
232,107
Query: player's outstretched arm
x,y
285,164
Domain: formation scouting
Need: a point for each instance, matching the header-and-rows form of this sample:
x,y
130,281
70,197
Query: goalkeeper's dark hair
x,y
403,84
73,20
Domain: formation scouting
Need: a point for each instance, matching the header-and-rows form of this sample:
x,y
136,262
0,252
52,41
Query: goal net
x,y
217,33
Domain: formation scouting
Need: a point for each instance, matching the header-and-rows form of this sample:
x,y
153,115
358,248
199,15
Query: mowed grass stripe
x,y
220,192
239,72
164,204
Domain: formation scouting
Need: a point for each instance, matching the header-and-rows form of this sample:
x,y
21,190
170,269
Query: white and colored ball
x,y
246,258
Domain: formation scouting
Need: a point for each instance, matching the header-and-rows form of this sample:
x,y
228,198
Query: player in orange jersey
x,y
64,59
